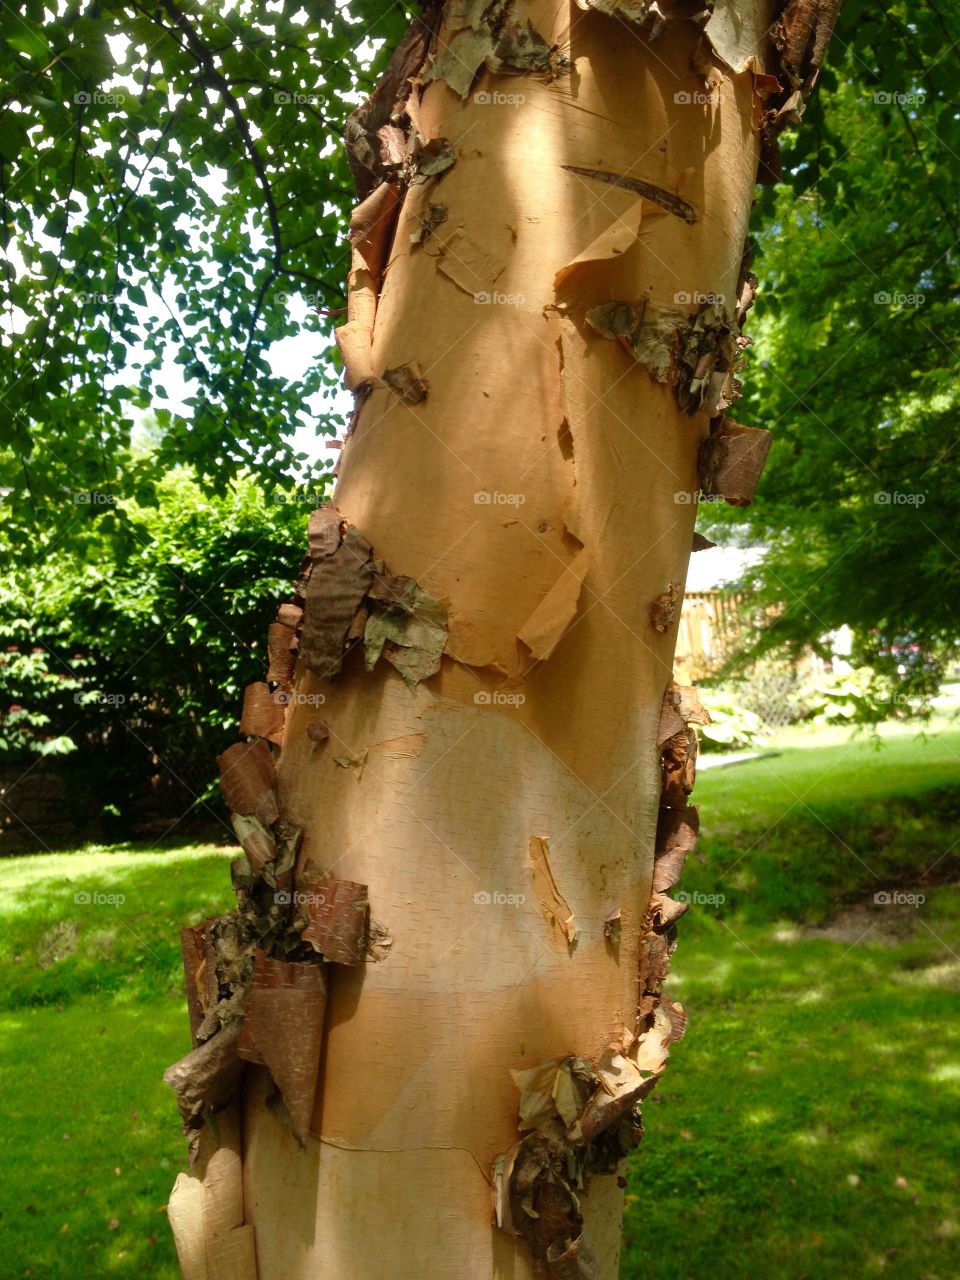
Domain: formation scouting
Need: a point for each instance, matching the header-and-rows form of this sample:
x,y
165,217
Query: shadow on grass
x,y
806,1126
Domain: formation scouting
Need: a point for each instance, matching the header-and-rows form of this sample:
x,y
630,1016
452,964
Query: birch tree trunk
x,y
544,323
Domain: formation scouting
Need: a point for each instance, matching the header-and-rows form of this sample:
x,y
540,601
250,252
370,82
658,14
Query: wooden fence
x,y
711,627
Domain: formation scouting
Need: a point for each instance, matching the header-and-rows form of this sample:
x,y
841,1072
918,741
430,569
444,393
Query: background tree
x,y
856,329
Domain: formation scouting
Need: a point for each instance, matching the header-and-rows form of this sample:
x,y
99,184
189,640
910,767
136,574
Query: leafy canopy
x,y
173,189
856,326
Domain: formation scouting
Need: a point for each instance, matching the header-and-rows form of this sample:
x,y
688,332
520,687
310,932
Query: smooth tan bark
x,y
534,489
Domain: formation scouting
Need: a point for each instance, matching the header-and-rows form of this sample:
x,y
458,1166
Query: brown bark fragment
x,y
572,1260
664,608
654,962
408,382
678,1018
666,912
677,830
701,542
318,731
669,201
199,968
338,913
324,532
678,768
333,594
371,228
256,840
731,462
671,722
688,704
262,715
207,1078
248,780
389,99
290,615
280,656
283,1013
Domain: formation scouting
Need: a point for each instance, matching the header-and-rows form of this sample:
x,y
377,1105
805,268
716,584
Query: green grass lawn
x,y
806,1126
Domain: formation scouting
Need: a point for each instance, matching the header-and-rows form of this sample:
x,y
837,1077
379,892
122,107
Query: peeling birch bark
x,y
488,610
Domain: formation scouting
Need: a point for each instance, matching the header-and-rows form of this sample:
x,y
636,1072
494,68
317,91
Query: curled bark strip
x,y
283,1029
666,200
199,968
256,840
333,594
677,1017
280,655
262,715
654,962
371,228
731,462
671,722
685,700
207,1078
338,912
666,912
573,1260
702,543
677,830
324,532
389,99
678,767
248,780
290,615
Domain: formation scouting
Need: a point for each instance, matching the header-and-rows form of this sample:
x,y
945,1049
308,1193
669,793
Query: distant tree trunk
x,y
548,283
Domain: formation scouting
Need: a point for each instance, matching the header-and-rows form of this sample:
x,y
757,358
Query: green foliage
x,y
139,648
731,725
852,697
172,183
856,329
